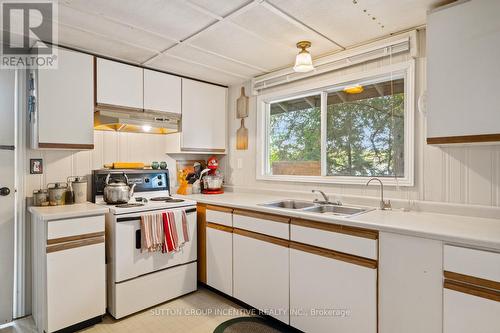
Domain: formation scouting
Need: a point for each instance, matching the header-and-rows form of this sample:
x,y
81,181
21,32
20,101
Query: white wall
x,y
109,147
468,175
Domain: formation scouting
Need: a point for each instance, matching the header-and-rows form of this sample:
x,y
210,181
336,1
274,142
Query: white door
x,y
7,142
220,260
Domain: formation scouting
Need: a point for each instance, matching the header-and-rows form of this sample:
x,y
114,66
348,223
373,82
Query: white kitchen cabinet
x,y
63,113
410,284
119,85
220,259
162,92
69,268
261,274
465,313
463,48
204,117
329,295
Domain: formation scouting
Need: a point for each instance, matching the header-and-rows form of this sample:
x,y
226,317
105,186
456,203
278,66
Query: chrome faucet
x,y
384,205
325,200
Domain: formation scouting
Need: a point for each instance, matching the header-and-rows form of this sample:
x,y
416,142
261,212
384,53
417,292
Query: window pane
x,y
295,136
365,130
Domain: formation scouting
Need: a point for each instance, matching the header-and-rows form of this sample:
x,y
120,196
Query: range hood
x,y
137,121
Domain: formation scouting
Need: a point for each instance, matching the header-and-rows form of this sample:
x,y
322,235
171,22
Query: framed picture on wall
x,y
36,166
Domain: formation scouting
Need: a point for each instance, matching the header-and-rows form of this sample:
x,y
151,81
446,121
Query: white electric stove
x,y
138,280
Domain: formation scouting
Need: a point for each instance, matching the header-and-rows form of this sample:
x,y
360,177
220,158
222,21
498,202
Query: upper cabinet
x,y
463,48
204,116
162,92
63,102
119,84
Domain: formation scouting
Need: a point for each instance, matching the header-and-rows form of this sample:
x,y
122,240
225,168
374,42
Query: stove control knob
x,y
159,177
160,183
146,180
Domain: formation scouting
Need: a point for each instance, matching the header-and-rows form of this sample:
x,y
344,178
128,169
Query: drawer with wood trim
x,y
72,229
220,215
471,262
262,223
345,239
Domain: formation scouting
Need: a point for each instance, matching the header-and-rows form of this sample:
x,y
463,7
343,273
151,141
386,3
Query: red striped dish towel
x,y
151,232
175,229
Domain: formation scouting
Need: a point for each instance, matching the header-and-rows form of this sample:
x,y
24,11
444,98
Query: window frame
x,y
322,87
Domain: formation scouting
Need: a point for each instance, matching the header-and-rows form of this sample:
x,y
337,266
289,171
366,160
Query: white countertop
x,y
68,211
465,230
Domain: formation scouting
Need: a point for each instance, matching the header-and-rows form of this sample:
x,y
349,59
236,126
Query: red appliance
x,y
212,181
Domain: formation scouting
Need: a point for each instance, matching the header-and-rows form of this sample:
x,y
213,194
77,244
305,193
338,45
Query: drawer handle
x,y
138,239
74,244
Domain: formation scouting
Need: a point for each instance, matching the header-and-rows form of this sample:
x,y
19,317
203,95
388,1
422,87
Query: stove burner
x,y
166,199
129,205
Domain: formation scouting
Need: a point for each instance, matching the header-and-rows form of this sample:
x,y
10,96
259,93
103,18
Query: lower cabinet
x,y
329,295
220,258
465,313
261,273
76,285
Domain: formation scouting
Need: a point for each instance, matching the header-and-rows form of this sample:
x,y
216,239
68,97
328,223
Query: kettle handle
x,y
116,173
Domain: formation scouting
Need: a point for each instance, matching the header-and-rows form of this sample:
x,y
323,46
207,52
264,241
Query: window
x,y
343,133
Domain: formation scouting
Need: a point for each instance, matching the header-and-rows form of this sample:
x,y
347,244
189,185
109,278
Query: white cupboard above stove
x,y
204,117
61,103
119,84
162,92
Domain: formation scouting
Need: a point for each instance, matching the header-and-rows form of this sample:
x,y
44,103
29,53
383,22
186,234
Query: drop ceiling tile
x,y
346,22
113,49
266,22
220,7
177,66
82,20
196,55
238,44
171,18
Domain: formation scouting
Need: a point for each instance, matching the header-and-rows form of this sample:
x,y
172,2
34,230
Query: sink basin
x,y
290,204
336,210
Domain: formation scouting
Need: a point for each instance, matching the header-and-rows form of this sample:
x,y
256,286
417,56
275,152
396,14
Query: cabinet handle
x,y
138,239
74,244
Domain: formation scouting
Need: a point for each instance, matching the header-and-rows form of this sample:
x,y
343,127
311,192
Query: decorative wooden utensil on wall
x,y
242,113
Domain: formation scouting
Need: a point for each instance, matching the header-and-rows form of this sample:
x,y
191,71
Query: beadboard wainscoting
x,y
465,174
109,147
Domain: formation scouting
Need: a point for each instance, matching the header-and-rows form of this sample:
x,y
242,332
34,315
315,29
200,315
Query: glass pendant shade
x,y
303,60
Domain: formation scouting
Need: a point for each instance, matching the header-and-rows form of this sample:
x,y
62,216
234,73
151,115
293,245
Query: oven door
x,y
128,260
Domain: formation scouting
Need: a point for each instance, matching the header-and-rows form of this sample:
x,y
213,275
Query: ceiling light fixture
x,y
303,61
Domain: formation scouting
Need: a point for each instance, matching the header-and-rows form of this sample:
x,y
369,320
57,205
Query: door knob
x,y
4,191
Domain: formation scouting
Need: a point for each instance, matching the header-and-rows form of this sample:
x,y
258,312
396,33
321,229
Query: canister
x,y
57,193
40,197
80,189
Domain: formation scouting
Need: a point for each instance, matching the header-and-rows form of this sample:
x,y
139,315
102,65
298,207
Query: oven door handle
x,y
138,239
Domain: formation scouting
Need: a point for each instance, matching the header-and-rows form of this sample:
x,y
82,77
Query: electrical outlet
x,y
239,163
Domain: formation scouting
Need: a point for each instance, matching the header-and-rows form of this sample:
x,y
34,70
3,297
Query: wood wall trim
x,y
219,227
74,244
74,238
264,216
353,231
472,290
352,259
463,139
262,237
220,208
472,280
202,242
65,145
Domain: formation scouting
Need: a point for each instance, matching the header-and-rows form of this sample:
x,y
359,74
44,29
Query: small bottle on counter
x,y
70,194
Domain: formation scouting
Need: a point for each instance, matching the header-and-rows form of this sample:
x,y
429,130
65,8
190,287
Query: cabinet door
x,y
76,285
261,275
220,260
119,84
203,116
328,295
162,92
464,313
66,103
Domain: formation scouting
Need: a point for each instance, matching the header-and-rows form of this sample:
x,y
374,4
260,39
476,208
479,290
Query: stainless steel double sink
x,y
318,208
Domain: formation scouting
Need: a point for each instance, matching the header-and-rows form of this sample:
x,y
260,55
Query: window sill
x,y
340,180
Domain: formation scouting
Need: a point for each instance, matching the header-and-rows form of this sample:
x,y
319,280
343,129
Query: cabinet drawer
x,y
272,225
61,229
471,262
220,215
346,241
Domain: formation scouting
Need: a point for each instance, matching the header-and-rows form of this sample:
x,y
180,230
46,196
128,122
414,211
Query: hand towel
x,y
151,232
